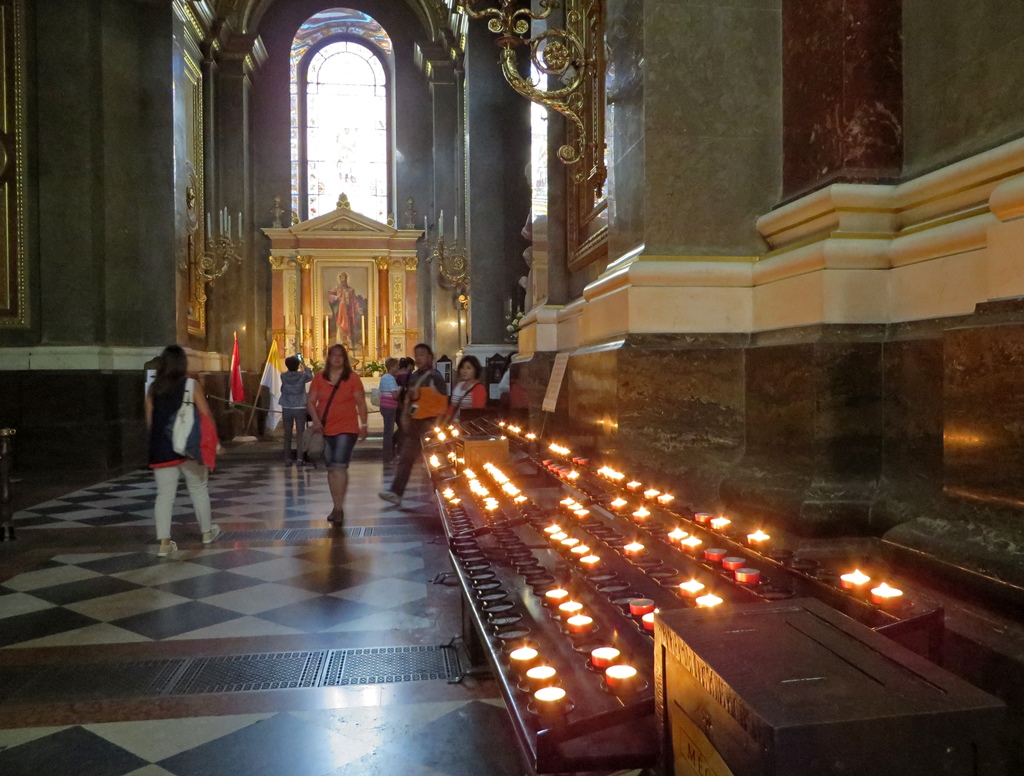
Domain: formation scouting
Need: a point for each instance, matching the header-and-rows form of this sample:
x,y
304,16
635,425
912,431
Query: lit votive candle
x,y
580,549
732,563
549,700
691,588
519,499
557,537
758,539
448,493
648,620
567,501
523,658
650,494
552,529
570,542
641,514
676,535
618,503
581,514
569,609
455,501
715,554
690,543
883,595
855,580
620,678
719,523
702,518
580,624
602,657
634,485
748,576
665,499
556,596
541,676
573,475
633,550
708,601
590,562
641,606
531,436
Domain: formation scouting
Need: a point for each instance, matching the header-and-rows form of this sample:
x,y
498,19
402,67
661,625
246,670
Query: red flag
x,y
237,390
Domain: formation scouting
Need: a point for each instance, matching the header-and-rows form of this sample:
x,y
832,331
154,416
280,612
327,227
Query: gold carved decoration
x,y
279,262
195,318
343,201
13,264
304,262
383,262
397,300
411,262
568,54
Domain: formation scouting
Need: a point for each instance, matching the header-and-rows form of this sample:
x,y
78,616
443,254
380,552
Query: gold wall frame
x,y
14,301
362,277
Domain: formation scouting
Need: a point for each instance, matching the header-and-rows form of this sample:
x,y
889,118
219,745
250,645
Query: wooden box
x,y
796,689
478,450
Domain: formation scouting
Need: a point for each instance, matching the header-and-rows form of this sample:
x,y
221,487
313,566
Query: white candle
x,y
209,224
440,226
426,227
455,237
239,225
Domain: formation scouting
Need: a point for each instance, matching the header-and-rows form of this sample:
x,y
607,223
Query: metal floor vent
x,y
229,674
306,534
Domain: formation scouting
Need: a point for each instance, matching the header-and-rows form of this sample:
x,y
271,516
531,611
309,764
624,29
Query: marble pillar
x,y
498,146
843,92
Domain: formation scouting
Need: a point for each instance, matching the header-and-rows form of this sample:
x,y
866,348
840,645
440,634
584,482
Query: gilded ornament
x,y
383,262
411,262
305,262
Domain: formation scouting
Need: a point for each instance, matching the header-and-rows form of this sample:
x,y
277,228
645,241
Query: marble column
x,y
236,300
843,92
498,127
436,307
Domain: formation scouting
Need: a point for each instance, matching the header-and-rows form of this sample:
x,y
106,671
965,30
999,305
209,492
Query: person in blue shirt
x,y
293,406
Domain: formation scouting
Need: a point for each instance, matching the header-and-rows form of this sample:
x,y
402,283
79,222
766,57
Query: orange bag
x,y
430,403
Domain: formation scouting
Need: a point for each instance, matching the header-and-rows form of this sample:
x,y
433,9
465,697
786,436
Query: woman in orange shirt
x,y
337,405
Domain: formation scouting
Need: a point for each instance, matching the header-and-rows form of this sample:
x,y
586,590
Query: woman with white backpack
x,y
171,389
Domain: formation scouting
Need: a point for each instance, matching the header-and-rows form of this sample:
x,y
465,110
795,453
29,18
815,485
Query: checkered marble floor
x,y
79,594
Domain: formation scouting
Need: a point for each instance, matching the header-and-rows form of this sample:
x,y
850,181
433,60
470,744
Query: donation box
x,y
795,688
478,450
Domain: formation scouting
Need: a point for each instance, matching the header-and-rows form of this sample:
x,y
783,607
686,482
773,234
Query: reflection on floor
x,y
83,585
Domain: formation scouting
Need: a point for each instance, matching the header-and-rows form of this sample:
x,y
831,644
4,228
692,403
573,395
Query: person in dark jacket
x,y
293,406
164,399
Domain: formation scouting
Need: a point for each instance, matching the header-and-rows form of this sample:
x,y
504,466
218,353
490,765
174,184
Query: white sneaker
x,y
211,536
167,549
391,498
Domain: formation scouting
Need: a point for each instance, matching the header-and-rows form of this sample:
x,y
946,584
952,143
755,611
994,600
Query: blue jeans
x,y
338,449
298,418
389,414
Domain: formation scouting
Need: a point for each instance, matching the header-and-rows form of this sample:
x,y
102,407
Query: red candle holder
x,y
621,678
550,701
523,659
602,657
648,621
541,676
883,595
715,554
733,563
580,624
641,606
748,576
569,608
703,518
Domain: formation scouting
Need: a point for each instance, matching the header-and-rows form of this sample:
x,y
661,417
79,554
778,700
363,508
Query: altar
x,y
344,278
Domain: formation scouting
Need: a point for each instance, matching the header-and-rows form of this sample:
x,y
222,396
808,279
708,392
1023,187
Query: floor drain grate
x,y
227,674
385,665
241,673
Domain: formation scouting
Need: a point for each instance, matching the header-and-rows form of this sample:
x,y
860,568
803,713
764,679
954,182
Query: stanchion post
x,y
6,453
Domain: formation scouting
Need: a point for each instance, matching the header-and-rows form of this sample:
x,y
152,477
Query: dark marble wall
x,y
843,92
911,431
963,72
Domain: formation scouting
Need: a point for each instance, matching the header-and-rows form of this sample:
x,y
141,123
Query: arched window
x,y
341,108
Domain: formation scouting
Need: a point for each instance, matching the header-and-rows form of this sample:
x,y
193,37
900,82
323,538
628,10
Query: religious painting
x,y
346,297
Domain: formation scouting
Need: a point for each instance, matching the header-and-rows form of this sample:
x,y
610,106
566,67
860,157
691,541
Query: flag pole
x,y
252,412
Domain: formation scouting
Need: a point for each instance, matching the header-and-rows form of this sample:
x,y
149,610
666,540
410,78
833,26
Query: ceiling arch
x,y
245,15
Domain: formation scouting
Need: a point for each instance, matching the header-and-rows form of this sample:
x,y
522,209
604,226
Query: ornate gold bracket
x,y
453,266
569,54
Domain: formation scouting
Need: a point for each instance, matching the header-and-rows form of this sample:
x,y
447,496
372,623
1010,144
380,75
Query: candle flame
x,y
556,594
856,577
620,672
720,522
692,587
665,499
691,542
619,503
524,653
677,534
633,547
580,549
884,591
633,485
708,601
758,536
590,560
642,513
553,529
549,694
652,493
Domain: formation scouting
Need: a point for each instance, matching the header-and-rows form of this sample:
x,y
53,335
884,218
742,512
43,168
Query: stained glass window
x,y
339,103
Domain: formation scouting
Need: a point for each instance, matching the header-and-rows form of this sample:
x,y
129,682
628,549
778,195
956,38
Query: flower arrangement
x,y
513,326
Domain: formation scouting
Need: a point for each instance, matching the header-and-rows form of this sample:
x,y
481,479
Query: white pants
x,y
196,476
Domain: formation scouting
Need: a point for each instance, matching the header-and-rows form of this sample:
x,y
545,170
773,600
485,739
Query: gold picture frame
x,y
345,306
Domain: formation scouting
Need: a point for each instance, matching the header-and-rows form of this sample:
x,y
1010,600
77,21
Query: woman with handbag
x,y
337,406
469,393
425,399
172,388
